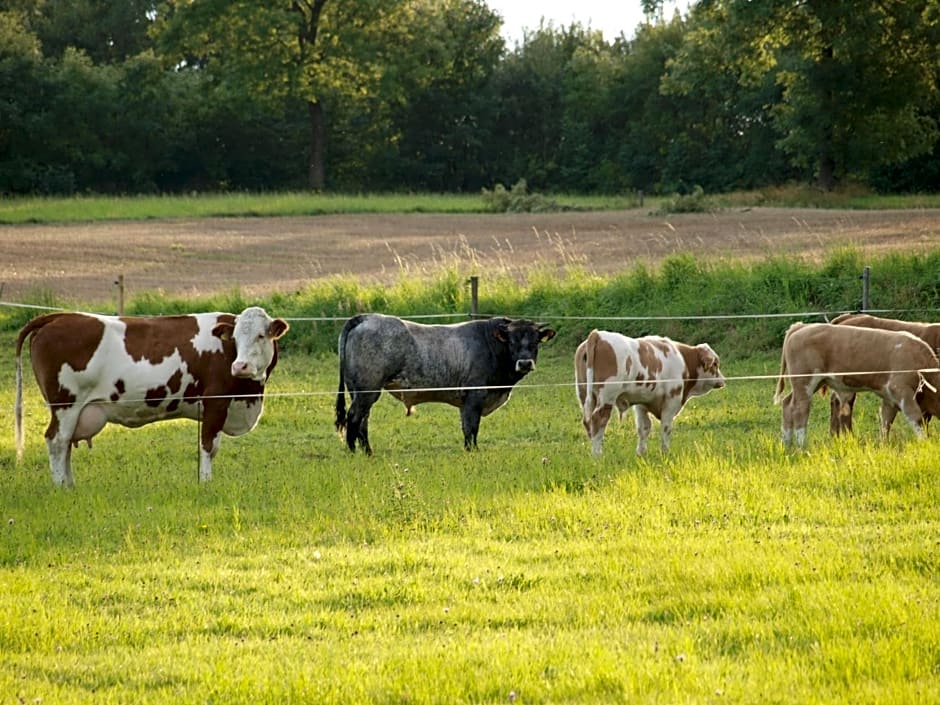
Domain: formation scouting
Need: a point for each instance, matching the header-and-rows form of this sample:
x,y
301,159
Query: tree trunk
x,y
317,166
826,177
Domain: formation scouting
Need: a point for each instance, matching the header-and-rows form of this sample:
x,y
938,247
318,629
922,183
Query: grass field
x,y
196,205
526,572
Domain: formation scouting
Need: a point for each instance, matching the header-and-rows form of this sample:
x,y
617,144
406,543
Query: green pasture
x,y
197,205
94,207
527,571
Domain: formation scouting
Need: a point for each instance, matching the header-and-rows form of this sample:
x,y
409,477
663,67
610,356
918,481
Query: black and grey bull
x,y
471,365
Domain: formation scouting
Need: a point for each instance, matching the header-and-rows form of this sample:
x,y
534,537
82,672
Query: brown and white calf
x,y
133,371
841,405
897,366
652,374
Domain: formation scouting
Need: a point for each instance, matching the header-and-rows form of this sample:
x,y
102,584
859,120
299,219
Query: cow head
x,y
255,333
709,375
522,339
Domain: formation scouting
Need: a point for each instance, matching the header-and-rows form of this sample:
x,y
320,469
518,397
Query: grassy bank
x,y
740,308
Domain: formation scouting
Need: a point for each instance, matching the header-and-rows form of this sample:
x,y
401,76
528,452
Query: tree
x,y
313,51
857,80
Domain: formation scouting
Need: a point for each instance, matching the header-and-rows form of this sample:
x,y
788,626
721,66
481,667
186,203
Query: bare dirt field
x,y
80,263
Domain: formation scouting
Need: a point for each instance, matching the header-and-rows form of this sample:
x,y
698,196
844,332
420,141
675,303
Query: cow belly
x,y
242,416
140,414
494,401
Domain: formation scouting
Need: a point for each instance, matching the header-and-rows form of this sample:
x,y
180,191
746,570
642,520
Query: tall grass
x,y
739,307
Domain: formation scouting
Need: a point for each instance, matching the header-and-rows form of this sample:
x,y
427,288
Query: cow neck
x,y
504,371
690,359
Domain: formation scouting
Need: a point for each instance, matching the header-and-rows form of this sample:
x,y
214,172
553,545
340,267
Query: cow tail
x,y
18,403
341,393
25,332
589,351
781,379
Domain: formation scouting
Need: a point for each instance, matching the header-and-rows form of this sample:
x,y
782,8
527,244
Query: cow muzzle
x,y
524,366
242,369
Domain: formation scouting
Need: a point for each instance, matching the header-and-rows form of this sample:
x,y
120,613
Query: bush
x,y
695,202
517,200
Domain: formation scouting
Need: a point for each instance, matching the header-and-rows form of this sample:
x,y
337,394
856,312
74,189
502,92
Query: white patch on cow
x,y
110,363
204,341
242,416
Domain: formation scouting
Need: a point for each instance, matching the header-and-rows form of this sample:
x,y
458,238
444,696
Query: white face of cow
x,y
254,334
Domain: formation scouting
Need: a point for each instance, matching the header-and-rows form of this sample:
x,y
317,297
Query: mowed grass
x,y
527,572
102,208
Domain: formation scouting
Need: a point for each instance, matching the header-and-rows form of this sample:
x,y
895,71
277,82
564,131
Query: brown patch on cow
x,y
193,390
692,360
646,351
173,406
65,340
154,341
605,360
175,381
155,396
56,341
119,390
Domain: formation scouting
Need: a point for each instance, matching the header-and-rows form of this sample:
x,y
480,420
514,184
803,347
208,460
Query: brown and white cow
x,y
133,371
841,405
652,374
895,365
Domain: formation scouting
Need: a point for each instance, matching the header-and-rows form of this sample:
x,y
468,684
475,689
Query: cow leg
x,y
470,414
840,413
888,411
786,424
60,460
643,428
667,417
795,415
207,451
59,444
911,411
213,420
357,420
596,426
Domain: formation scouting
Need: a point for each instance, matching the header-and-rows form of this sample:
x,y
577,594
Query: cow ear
x,y
277,328
501,332
545,334
223,331
708,356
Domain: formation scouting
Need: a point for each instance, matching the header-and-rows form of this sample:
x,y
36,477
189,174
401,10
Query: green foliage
x,y
694,202
220,95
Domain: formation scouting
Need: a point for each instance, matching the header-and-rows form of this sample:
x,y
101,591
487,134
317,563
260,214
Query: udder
x,y
90,422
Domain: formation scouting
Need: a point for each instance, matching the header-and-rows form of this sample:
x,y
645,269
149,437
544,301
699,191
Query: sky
x,y
610,16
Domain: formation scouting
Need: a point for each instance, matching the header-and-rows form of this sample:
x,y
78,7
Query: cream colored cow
x,y
654,375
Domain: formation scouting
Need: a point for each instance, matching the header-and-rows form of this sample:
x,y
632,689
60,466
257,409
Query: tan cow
x,y
654,375
895,365
841,405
